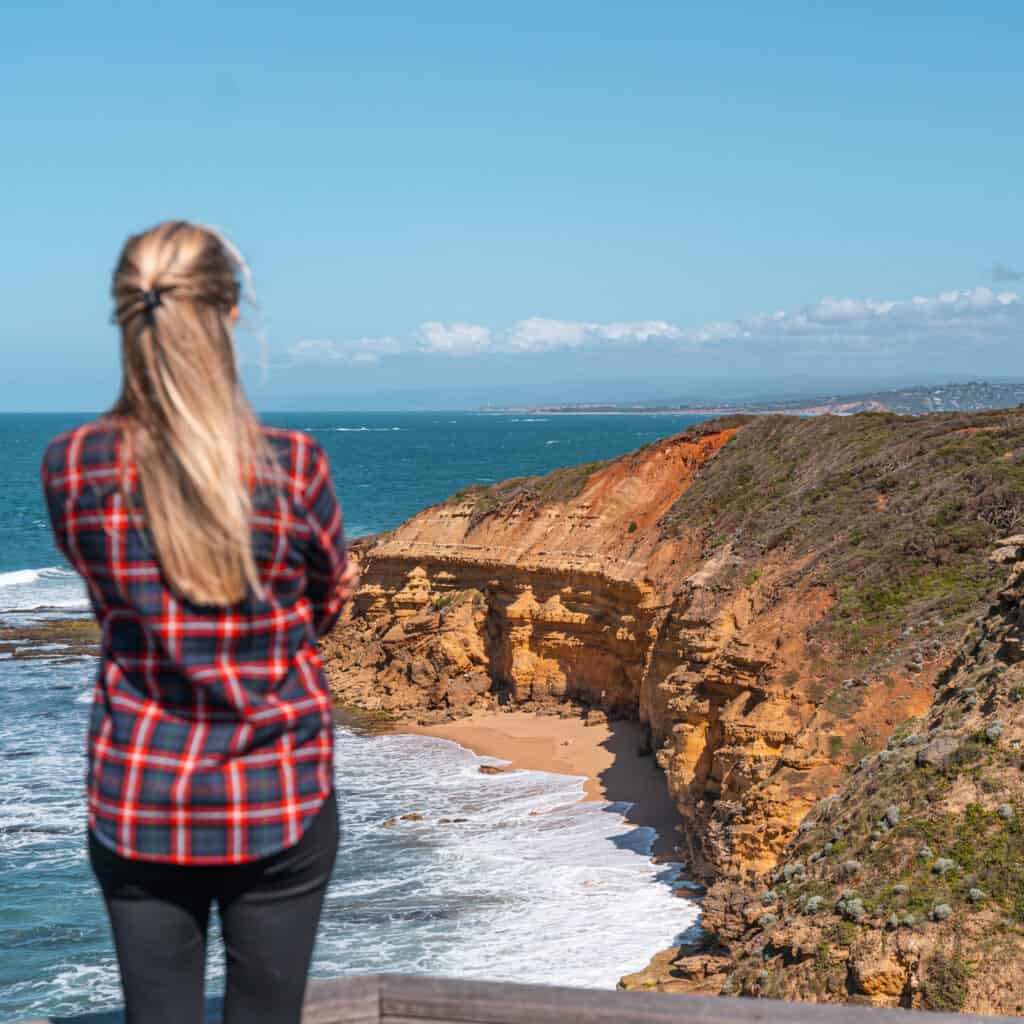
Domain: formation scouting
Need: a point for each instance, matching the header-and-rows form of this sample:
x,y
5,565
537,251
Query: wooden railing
x,y
402,999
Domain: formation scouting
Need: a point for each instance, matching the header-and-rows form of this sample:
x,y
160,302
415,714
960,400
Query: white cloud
x,y
711,332
454,339
641,330
538,334
314,351
361,350
978,315
975,312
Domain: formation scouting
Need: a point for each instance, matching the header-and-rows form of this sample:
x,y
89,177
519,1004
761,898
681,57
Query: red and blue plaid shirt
x,y
210,739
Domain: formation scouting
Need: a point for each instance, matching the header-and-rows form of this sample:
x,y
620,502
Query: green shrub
x,y
944,983
813,486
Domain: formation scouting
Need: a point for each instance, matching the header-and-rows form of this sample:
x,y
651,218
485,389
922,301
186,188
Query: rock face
x,y
550,600
773,597
427,655
940,883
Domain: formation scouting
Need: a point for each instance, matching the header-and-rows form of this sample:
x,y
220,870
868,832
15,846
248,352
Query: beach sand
x,y
606,755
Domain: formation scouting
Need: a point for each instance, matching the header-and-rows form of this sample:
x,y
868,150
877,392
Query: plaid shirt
x,y
210,740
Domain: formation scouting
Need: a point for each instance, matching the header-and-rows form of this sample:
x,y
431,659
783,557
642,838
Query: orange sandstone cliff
x,y
906,886
771,596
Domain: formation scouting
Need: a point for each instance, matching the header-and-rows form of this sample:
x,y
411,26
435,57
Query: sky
x,y
461,204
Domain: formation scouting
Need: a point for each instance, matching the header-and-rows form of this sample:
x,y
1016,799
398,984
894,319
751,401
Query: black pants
x,y
269,911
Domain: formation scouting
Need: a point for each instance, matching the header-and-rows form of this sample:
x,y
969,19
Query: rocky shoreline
x,y
55,638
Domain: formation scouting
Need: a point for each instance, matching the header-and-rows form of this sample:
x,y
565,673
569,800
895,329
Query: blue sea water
x,y
535,885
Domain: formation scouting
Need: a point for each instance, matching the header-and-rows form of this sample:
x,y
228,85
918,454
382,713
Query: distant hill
x,y
972,396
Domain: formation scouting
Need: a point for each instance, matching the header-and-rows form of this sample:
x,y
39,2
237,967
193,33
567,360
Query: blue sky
x,y
455,204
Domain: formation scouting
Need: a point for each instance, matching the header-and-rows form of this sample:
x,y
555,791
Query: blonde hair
x,y
190,431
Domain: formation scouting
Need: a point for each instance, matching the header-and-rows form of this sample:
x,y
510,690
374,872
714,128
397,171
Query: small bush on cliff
x,y
944,983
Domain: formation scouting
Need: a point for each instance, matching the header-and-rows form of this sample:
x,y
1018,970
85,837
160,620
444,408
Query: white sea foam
x,y
19,577
532,884
36,589
60,993
352,430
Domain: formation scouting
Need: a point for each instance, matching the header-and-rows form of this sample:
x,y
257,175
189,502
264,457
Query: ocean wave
x,y
525,880
52,587
355,430
504,877
19,577
352,430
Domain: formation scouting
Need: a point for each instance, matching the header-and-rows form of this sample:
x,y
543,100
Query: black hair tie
x,y
150,300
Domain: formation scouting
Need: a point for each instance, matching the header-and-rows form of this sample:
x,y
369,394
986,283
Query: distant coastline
x,y
835,409
970,396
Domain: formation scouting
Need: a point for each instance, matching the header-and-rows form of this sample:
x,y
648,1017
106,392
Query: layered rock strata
x,y
772,597
906,886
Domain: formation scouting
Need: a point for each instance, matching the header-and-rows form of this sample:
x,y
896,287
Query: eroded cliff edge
x,y
906,886
771,596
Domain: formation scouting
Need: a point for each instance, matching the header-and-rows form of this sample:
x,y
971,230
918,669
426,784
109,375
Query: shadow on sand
x,y
635,778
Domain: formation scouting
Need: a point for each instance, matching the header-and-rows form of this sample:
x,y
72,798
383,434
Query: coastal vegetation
x,y
894,510
908,883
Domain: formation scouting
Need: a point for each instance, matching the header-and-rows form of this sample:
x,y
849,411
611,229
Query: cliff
x,y
800,611
906,887
772,596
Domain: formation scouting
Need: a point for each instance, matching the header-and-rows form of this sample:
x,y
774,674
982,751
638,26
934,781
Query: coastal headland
x,y
767,601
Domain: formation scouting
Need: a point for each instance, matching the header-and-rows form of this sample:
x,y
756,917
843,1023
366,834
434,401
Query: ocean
x,y
536,885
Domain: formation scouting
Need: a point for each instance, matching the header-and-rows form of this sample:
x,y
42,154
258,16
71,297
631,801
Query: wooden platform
x,y
401,999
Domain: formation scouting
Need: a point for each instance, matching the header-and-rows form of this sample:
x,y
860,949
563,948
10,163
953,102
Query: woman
x,y
214,556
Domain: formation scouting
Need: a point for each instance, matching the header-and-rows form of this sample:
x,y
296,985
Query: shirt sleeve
x,y
326,554
51,470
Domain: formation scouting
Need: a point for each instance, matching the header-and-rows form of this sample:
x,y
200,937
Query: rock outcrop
x,y
906,887
773,597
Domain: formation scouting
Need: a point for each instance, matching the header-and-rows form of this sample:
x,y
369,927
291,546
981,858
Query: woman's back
x,y
213,552
210,737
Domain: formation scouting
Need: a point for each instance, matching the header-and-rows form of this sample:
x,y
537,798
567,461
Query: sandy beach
x,y
605,755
